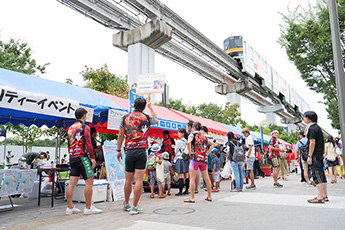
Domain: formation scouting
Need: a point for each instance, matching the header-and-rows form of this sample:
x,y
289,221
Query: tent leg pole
x,y
4,164
57,155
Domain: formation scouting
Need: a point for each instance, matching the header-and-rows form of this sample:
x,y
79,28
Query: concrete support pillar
x,y
140,44
292,128
271,118
141,59
234,98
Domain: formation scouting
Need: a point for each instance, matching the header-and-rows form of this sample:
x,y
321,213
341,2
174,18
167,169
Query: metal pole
x,y
339,65
57,156
4,164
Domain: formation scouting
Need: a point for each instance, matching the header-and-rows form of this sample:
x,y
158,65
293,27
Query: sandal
x,y
316,201
326,199
162,196
152,196
208,199
189,201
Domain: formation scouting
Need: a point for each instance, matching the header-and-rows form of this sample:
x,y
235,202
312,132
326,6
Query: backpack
x,y
304,149
238,153
151,162
185,153
200,147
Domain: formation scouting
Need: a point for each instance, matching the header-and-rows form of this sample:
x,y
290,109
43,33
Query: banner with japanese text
x,y
36,103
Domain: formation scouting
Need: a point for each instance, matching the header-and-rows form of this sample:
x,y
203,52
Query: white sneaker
x,y
126,207
92,210
135,210
74,210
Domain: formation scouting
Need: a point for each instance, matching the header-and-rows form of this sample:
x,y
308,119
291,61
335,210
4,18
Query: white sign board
x,y
36,103
151,83
115,119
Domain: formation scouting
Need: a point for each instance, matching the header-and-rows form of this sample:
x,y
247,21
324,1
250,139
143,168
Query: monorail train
x,y
255,66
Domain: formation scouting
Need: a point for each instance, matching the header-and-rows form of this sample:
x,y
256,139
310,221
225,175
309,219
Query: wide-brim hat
x,y
155,148
245,130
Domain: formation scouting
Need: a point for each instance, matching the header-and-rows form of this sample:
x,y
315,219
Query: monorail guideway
x,y
254,78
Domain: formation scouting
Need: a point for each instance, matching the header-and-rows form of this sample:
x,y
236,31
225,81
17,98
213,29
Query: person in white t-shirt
x,y
250,156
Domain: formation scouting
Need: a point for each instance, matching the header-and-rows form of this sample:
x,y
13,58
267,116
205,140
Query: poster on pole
x,y
151,83
27,180
10,182
115,119
115,170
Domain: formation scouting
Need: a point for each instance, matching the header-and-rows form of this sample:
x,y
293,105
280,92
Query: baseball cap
x,y
215,151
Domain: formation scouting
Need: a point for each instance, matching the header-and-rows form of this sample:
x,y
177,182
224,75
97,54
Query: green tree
x,y
227,115
306,36
175,104
28,135
232,116
104,81
69,81
16,56
210,111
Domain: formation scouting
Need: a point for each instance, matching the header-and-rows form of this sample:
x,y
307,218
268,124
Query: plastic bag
x,y
227,170
160,172
341,163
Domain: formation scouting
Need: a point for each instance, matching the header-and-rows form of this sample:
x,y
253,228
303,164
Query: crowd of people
x,y
196,156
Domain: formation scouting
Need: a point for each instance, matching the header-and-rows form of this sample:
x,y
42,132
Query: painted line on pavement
x,y
150,225
336,202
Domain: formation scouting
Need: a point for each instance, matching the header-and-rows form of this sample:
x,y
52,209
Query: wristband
x,y
309,155
118,150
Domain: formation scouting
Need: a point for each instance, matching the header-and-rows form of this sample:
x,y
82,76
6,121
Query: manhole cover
x,y
173,211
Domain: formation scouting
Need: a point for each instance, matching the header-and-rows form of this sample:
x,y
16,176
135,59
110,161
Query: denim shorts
x,y
153,179
216,176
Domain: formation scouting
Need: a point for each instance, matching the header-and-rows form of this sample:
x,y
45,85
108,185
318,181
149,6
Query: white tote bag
x,y
160,172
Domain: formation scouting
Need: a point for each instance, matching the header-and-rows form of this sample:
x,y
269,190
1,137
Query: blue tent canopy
x,y
256,136
20,89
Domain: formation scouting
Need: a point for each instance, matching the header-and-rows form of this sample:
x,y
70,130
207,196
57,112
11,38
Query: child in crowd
x,y
152,161
215,169
167,169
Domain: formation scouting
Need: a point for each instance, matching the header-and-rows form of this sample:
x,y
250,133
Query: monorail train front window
x,y
234,46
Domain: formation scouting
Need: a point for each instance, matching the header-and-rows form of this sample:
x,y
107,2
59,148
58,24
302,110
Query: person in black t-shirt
x,y
315,157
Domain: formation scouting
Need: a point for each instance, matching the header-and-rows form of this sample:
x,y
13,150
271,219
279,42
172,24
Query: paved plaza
x,y
264,208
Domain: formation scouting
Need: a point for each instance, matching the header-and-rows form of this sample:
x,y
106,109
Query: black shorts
x,y
135,159
81,166
317,170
